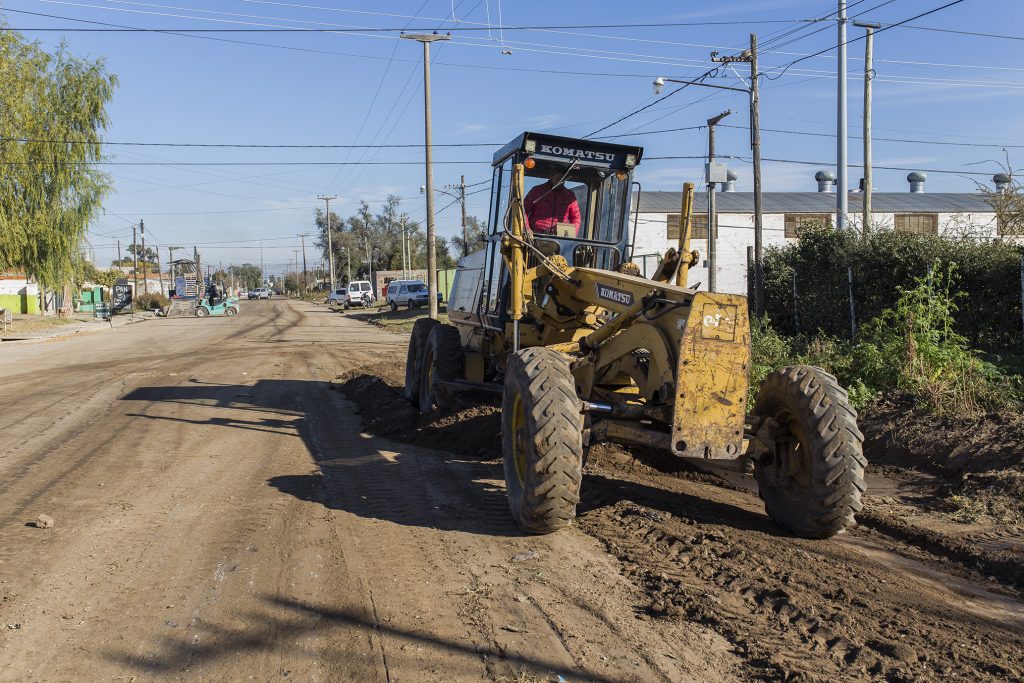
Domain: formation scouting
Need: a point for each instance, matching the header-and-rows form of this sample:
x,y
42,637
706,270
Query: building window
x,y
795,222
917,223
698,226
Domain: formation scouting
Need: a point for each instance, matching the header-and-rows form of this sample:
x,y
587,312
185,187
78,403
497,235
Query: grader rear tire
x,y
441,359
812,485
417,341
542,441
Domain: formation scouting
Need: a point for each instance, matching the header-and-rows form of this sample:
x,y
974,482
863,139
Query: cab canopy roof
x,y
558,148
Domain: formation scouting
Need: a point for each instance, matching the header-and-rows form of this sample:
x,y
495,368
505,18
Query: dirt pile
x,y
377,393
979,459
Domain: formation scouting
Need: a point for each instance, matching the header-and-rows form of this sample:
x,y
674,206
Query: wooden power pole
x,y
869,75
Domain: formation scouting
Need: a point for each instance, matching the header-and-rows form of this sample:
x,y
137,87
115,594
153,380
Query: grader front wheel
x,y
812,483
417,344
542,441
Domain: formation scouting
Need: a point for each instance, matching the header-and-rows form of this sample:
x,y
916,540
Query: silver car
x,y
338,297
411,293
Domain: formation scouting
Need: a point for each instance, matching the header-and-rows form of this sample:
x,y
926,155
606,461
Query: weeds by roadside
x,y
911,347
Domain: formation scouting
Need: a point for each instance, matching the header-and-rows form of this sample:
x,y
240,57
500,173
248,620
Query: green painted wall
x,y
20,303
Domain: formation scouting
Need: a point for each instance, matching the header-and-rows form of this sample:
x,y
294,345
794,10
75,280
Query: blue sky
x,y
488,85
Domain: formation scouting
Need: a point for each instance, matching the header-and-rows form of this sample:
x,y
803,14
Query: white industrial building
x,y
959,214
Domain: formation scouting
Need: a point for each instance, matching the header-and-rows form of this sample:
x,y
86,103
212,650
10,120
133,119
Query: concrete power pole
x,y
712,211
869,75
159,270
135,261
427,39
145,276
842,182
462,199
305,276
330,243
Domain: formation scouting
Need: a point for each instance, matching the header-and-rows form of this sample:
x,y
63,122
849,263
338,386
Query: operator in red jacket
x,y
550,203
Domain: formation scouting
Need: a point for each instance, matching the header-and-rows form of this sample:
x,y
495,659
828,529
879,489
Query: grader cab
x,y
555,318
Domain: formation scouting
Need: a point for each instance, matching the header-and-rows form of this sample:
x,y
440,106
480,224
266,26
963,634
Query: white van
x,y
357,291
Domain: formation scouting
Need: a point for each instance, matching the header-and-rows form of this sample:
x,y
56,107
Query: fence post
x,y
849,289
796,305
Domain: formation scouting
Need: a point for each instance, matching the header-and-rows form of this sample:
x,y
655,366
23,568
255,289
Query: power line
x,y
860,37
394,29
227,145
229,163
648,106
822,163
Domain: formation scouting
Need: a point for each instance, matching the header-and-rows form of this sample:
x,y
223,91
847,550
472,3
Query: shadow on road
x,y
365,476
268,630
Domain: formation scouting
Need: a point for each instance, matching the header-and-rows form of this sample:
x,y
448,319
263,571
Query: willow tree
x,y
52,115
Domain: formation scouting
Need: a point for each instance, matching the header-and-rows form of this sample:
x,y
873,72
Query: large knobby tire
x,y
812,485
417,341
542,440
441,359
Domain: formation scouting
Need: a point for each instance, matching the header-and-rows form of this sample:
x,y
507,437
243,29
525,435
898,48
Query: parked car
x,y
358,291
337,297
410,293
260,293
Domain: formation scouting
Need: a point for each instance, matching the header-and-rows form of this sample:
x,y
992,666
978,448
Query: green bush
x,y
913,346
152,301
884,263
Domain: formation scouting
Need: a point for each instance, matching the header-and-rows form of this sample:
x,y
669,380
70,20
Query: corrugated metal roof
x,y
821,202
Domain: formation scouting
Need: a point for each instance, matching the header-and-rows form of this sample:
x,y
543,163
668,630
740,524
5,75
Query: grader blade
x,y
712,374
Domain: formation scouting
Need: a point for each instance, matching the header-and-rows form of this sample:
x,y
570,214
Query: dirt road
x,y
222,513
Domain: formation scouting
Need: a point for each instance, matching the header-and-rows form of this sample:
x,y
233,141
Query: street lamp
x,y
330,246
749,57
427,39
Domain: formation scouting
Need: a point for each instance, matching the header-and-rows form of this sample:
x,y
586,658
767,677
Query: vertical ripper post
x,y
686,257
515,252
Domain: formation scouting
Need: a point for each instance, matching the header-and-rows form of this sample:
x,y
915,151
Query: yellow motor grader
x,y
555,318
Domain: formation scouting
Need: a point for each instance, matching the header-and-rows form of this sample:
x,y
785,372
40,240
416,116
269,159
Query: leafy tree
x,y
378,238
94,275
476,234
247,275
54,112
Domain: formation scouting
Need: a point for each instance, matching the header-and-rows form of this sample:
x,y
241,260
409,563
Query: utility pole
x,y
755,130
869,75
426,39
369,266
461,187
842,182
119,253
712,211
305,276
330,243
145,276
750,56
263,275
405,263
170,265
159,270
135,261
296,252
